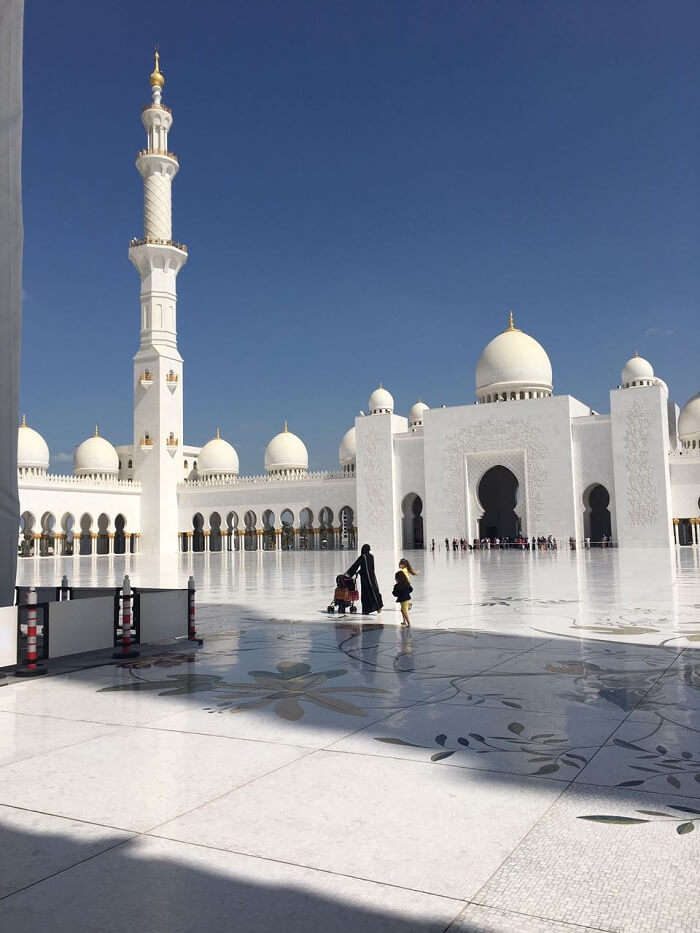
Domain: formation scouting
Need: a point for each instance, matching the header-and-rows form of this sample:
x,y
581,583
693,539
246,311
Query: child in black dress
x,y
402,591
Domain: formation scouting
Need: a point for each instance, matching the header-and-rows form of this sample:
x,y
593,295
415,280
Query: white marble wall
x,y
532,438
685,486
378,505
640,444
277,496
593,461
94,499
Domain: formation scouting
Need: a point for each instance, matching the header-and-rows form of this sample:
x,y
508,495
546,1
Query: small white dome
x,y
285,452
348,448
217,458
510,363
415,415
95,456
32,449
637,371
689,420
381,401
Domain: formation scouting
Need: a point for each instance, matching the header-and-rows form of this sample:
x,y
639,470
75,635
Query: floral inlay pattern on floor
x,y
284,689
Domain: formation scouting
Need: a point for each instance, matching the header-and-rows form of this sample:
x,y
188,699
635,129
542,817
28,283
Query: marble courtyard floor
x,y
525,758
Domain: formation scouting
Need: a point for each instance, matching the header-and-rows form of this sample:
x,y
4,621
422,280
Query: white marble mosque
x,y
520,459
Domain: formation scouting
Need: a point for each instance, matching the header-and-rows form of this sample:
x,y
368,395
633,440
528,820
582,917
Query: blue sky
x,y
365,189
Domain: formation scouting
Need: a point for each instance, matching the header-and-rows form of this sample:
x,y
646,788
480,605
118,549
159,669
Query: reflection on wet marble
x,y
540,716
643,596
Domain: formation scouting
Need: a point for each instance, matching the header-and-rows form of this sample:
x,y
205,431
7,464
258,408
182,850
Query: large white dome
x,y
286,452
511,364
689,420
381,401
415,415
348,448
637,371
95,456
217,458
32,449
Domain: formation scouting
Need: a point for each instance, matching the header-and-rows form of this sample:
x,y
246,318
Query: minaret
x,y
157,364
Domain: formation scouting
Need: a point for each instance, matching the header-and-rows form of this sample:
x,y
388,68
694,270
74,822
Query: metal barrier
x,y
73,620
30,611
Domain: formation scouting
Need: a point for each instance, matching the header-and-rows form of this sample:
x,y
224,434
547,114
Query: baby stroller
x,y
345,595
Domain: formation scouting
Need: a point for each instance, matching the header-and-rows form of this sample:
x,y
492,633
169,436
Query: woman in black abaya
x,y
364,565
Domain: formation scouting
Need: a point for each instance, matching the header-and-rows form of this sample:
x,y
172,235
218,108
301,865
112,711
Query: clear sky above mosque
x,y
365,190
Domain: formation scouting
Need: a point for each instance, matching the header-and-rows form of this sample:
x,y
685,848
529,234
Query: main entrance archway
x,y
412,521
498,495
596,518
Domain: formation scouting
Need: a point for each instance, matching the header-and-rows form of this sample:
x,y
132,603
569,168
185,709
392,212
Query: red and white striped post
x,y
126,598
31,668
191,630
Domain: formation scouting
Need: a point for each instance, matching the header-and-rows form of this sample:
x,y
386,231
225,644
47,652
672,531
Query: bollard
x,y
31,668
65,589
191,631
126,651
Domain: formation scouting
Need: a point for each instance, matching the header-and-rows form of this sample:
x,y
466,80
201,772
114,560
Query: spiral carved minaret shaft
x,y
158,424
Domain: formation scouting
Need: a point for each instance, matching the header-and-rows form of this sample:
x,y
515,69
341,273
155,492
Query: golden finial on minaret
x,y
218,434
286,429
24,421
97,431
511,322
157,79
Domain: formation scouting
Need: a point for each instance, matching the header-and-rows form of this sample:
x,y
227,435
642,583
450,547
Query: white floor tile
x,y
136,778
443,831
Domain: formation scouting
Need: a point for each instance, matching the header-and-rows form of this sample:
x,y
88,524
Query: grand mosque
x,y
519,459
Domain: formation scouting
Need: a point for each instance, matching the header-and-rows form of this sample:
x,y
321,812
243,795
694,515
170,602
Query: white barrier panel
x,y
163,615
8,635
81,625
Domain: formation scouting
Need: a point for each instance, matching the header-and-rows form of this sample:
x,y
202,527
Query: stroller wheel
x,y
330,610
353,609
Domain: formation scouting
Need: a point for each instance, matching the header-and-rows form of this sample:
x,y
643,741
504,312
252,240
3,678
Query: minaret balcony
x,y
146,442
154,106
171,380
171,444
154,241
146,379
157,152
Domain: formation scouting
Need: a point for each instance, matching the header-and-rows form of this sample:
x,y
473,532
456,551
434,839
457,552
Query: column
x,y
675,530
110,543
206,542
37,545
278,539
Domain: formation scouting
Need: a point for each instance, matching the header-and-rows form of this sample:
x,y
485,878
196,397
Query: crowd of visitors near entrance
x,y
518,543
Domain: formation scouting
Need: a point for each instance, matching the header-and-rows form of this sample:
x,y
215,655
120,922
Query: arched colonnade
x,y
269,531
75,535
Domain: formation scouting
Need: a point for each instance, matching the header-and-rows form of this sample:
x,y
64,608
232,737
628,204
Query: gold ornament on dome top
x,y
157,79
511,323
